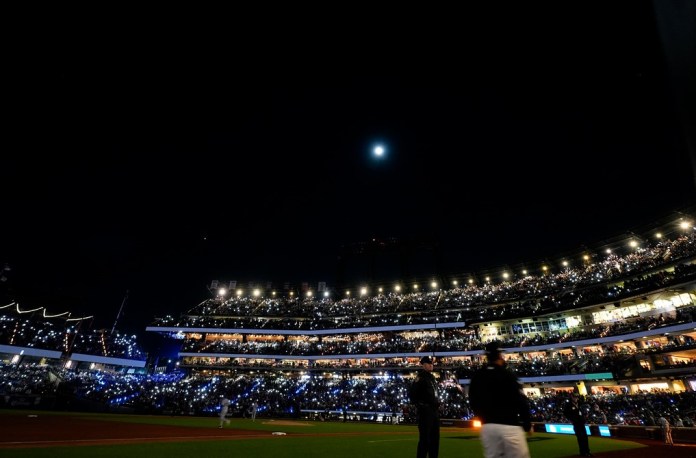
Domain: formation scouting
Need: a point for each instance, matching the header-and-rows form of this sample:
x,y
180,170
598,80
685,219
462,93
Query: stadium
x,y
329,231
615,324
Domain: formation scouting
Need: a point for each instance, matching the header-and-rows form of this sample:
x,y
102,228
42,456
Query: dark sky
x,y
158,165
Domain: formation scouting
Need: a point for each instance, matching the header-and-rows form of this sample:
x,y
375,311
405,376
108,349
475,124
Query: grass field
x,y
199,437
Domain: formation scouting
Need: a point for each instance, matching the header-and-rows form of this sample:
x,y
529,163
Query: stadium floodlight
x,y
379,290
433,285
565,263
471,281
239,292
326,294
506,275
363,291
222,292
488,279
256,292
633,244
658,235
397,288
455,283
309,293
347,293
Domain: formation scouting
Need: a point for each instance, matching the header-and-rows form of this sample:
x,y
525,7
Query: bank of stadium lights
x,y
222,292
684,225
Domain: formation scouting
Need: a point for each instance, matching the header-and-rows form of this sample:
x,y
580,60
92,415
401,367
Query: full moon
x,y
378,151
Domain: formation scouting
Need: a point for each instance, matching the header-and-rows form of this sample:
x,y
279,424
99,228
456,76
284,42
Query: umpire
x,y
574,414
423,395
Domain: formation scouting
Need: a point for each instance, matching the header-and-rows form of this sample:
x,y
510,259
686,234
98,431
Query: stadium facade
x,y
619,319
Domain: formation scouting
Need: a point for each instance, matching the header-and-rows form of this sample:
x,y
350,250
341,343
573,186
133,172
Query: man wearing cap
x,y
497,399
423,395
575,415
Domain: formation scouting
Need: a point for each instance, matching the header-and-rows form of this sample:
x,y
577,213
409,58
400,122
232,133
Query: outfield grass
x,y
347,440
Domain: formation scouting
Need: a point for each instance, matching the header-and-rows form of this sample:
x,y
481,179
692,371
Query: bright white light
x,y
379,151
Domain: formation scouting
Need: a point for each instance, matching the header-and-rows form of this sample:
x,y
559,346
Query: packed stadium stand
x,y
616,325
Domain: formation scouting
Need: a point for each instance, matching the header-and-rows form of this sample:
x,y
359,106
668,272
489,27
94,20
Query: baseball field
x,y
34,434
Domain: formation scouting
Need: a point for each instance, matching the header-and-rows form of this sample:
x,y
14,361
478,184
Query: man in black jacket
x,y
424,396
497,399
575,415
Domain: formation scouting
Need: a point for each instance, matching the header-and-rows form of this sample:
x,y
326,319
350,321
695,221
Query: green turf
x,y
348,440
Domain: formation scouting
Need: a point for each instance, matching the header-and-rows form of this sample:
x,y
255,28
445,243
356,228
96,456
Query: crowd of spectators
x,y
446,340
280,395
645,269
33,330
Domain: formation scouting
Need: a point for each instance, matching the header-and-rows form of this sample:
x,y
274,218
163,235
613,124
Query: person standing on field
x,y
224,408
497,399
424,396
574,414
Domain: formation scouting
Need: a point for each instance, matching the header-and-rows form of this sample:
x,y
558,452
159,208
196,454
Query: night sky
x,y
157,167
